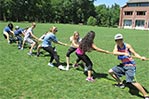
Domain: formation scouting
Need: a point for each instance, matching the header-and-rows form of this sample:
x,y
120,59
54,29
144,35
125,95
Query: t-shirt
x,y
48,39
7,29
28,33
18,32
76,41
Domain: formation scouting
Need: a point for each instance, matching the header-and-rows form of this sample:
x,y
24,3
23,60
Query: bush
x,y
91,21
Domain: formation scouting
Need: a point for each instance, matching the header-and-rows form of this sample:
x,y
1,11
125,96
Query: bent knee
x,y
110,71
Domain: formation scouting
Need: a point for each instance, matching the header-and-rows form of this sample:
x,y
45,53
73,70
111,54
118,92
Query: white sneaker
x,y
21,48
8,42
51,64
61,67
85,68
67,68
29,53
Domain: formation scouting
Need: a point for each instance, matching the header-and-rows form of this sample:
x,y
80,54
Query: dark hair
x,y
87,41
10,25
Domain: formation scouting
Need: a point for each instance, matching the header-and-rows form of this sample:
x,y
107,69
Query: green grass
x,y
24,77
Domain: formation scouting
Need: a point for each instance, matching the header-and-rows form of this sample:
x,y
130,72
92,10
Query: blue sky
x,y
110,2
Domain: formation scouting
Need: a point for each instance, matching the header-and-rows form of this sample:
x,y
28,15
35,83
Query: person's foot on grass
x,y
51,64
90,79
119,85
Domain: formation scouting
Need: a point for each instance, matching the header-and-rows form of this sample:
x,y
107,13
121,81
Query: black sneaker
x,y
119,85
146,97
37,54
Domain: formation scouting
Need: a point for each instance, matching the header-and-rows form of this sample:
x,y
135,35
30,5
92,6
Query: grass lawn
x,y
25,77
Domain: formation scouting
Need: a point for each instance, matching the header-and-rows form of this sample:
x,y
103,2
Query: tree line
x,y
59,11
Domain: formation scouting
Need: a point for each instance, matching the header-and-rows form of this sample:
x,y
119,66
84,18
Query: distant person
x,y
8,33
19,33
29,38
127,66
47,46
87,44
75,40
40,46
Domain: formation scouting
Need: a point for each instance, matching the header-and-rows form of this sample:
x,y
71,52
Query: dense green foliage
x,y
58,11
25,77
91,21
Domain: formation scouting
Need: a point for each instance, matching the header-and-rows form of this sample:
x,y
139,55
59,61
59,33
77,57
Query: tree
x,y
115,11
91,21
107,16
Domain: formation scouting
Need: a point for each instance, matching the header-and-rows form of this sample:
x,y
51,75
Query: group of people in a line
x,y
80,46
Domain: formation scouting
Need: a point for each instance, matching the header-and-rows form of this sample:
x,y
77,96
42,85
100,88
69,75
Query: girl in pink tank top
x,y
87,45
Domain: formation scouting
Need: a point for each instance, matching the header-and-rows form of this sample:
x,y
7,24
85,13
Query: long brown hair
x,y
87,41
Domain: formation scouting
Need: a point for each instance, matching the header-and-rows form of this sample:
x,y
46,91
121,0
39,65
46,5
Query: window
x,y
140,23
143,4
128,12
141,12
127,22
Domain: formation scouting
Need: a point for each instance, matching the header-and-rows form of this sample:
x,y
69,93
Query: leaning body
x,y
127,66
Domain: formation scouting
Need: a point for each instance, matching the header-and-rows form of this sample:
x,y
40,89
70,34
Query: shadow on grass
x,y
99,75
133,90
95,74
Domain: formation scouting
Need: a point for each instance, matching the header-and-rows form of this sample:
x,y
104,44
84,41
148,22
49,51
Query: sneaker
x,y
67,68
37,54
29,53
51,64
119,85
90,79
85,68
9,42
61,67
146,97
21,48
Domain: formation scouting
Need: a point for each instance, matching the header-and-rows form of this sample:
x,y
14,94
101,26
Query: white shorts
x,y
30,41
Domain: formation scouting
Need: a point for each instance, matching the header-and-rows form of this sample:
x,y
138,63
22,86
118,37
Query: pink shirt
x,y
79,51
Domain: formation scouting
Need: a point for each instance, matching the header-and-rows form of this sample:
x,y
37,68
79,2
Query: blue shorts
x,y
129,71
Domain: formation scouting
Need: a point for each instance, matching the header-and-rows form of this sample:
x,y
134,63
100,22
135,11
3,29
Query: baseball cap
x,y
118,36
17,27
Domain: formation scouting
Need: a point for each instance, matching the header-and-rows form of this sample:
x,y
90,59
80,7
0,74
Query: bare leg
x,y
32,46
140,88
38,49
89,73
23,44
114,76
7,36
67,61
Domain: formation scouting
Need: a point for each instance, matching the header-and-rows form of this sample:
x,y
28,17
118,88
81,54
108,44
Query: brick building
x,y
135,15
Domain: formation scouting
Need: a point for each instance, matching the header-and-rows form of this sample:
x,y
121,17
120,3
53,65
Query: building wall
x,y
134,16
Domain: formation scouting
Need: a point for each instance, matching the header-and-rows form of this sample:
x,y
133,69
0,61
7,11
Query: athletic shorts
x,y
129,71
30,41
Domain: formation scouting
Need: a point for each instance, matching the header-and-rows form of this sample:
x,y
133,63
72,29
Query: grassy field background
x,y
25,77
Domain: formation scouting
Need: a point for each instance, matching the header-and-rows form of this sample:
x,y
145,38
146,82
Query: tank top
x,y
126,60
79,51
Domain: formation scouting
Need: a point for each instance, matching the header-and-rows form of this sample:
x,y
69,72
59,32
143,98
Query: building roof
x,y
137,1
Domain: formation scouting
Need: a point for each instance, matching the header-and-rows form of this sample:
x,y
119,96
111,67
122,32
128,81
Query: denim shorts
x,y
129,71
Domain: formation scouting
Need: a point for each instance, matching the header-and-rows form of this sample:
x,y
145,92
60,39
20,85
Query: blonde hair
x,y
52,28
75,32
